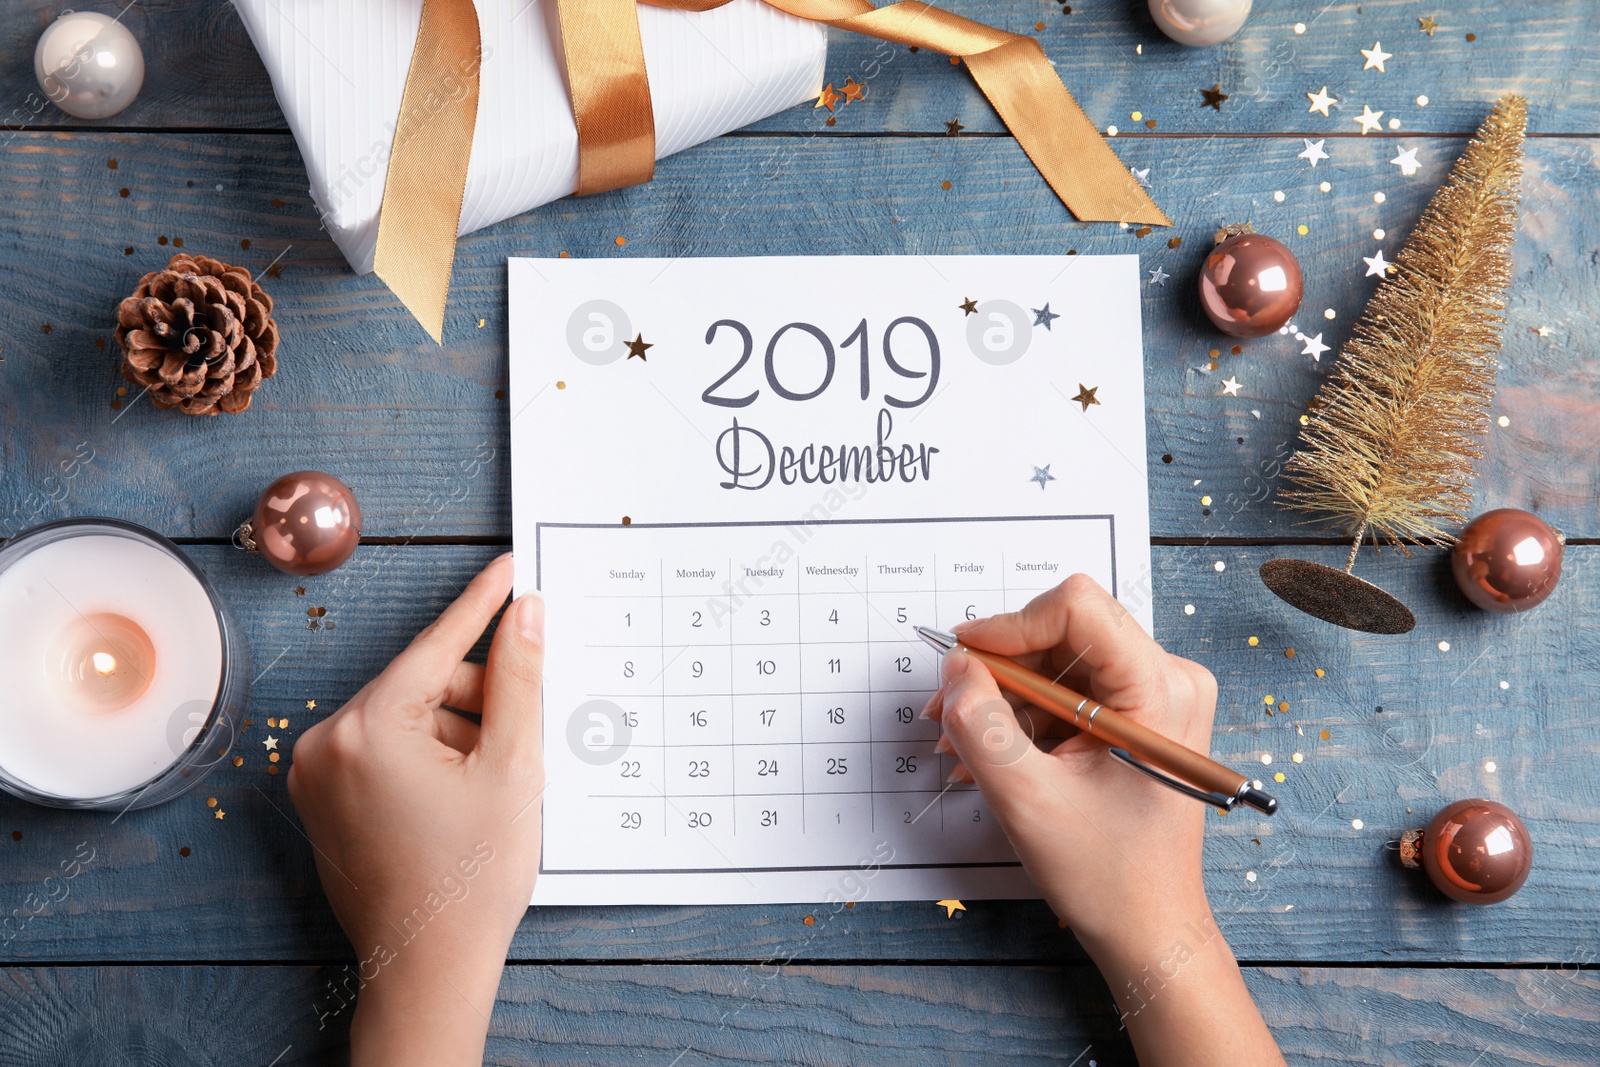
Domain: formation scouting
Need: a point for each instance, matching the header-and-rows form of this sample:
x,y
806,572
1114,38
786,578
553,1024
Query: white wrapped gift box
x,y
339,70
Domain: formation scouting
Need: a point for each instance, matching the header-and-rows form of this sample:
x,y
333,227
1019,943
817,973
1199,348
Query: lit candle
x,y
121,671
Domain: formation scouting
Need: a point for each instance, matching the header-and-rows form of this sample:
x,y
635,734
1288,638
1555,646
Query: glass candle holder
x,y
124,675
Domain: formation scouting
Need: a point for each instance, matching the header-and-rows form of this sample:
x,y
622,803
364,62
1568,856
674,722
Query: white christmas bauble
x,y
89,65
1199,22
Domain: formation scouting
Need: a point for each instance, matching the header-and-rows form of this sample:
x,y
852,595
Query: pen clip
x,y
1216,800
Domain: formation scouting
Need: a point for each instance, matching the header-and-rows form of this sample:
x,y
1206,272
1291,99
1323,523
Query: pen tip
x,y
937,638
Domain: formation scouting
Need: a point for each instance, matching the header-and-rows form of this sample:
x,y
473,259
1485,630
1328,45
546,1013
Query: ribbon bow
x,y
610,92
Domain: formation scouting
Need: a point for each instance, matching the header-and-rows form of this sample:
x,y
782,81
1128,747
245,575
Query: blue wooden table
x,y
191,939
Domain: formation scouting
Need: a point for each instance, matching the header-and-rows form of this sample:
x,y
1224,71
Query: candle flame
x,y
104,662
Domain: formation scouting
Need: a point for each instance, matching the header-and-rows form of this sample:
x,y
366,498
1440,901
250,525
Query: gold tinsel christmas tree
x,y
1394,435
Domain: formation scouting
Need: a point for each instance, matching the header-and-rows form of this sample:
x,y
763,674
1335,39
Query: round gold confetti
x,y
1283,705
16,835
1268,699
283,724
561,385
1288,653
811,920
1254,641
1205,500
272,757
1237,349
184,851
621,240
1325,735
1278,777
1320,672
272,720
1137,116
1038,26
1150,124
1472,37
211,802
1175,242
563,255
1422,101
626,521
1302,229
945,185
1298,757
1394,124
1326,187
273,769
238,761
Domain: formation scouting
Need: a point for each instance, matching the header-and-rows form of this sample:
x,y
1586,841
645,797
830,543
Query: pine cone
x,y
198,336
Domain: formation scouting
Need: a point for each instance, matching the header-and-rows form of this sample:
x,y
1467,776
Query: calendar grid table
x,y
748,696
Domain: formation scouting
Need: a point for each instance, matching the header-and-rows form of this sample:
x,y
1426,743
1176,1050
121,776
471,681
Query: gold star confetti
x,y
299,590
969,306
637,346
1375,57
311,705
1368,119
1542,331
1230,386
1086,395
827,98
220,814
1427,25
1214,97
950,907
271,742
953,127
1320,101
852,90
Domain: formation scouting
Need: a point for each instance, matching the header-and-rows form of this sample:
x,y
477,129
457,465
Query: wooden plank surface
x,y
1323,890
361,391
202,71
772,1014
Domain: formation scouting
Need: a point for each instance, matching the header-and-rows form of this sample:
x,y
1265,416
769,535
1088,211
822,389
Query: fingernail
x,y
530,616
964,626
957,775
502,556
955,665
943,746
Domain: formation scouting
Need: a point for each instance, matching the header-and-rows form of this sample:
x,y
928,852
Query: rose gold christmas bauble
x,y
1475,851
1250,285
306,523
1507,560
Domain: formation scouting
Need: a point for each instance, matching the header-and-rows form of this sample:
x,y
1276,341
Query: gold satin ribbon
x,y
610,94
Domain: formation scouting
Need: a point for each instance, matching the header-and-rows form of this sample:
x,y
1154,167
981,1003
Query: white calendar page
x,y
739,483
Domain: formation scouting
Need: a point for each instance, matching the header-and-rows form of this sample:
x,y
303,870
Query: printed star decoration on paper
x,y
1368,119
637,346
1407,162
1141,176
1214,97
1230,387
1427,25
271,743
1375,265
969,306
1320,101
1159,277
1044,316
1042,475
1375,57
1313,151
950,907
827,98
1086,395
852,91
1314,347
953,127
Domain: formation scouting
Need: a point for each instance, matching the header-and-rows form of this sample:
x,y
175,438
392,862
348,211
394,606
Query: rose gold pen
x,y
1140,747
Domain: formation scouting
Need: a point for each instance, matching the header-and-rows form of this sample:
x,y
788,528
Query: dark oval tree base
x,y
1337,597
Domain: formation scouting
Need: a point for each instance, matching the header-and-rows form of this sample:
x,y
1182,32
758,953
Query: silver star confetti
x,y
1313,151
